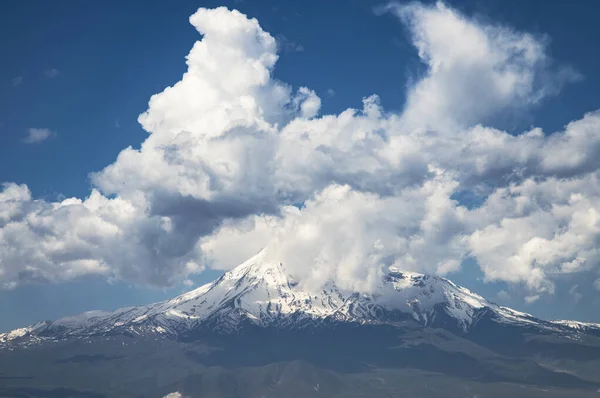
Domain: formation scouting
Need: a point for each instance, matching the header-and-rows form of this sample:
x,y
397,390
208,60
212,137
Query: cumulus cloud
x,y
237,161
174,395
208,158
50,242
237,240
37,135
474,69
532,231
351,236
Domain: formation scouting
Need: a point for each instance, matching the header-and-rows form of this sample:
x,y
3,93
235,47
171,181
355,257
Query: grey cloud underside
x,y
237,160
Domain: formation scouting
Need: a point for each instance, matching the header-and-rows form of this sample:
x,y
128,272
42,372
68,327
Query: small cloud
x,y
287,45
175,394
37,135
575,295
117,124
51,73
597,284
330,92
532,299
188,282
503,295
17,81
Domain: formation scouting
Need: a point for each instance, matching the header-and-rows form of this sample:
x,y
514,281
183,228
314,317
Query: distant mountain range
x,y
255,332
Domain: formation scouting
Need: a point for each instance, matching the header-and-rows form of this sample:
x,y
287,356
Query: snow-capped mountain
x,y
261,293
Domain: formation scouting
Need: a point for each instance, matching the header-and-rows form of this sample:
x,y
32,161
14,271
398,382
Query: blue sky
x,y
82,72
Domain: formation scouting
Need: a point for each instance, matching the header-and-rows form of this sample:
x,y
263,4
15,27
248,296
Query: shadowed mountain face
x,y
256,332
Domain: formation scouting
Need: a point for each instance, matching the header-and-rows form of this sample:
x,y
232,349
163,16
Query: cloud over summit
x,y
237,160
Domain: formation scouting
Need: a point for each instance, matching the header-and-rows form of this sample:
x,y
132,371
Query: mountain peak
x,y
261,293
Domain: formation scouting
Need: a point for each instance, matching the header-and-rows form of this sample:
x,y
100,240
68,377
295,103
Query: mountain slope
x,y
263,294
257,332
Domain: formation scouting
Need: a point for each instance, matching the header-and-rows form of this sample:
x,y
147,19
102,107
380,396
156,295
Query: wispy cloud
x,y
330,92
286,45
504,296
51,73
574,293
16,81
37,135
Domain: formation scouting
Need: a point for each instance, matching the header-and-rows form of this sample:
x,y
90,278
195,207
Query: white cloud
x,y
114,238
237,240
37,135
504,296
51,73
574,293
17,81
284,44
474,69
208,158
530,232
174,395
237,161
351,235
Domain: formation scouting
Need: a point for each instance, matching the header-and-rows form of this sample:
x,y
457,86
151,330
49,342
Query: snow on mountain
x,y
262,293
580,326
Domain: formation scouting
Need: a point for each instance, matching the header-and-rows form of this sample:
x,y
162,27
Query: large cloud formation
x,y
237,161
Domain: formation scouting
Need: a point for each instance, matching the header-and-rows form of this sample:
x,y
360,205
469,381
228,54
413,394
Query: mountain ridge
x,y
262,293
257,332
